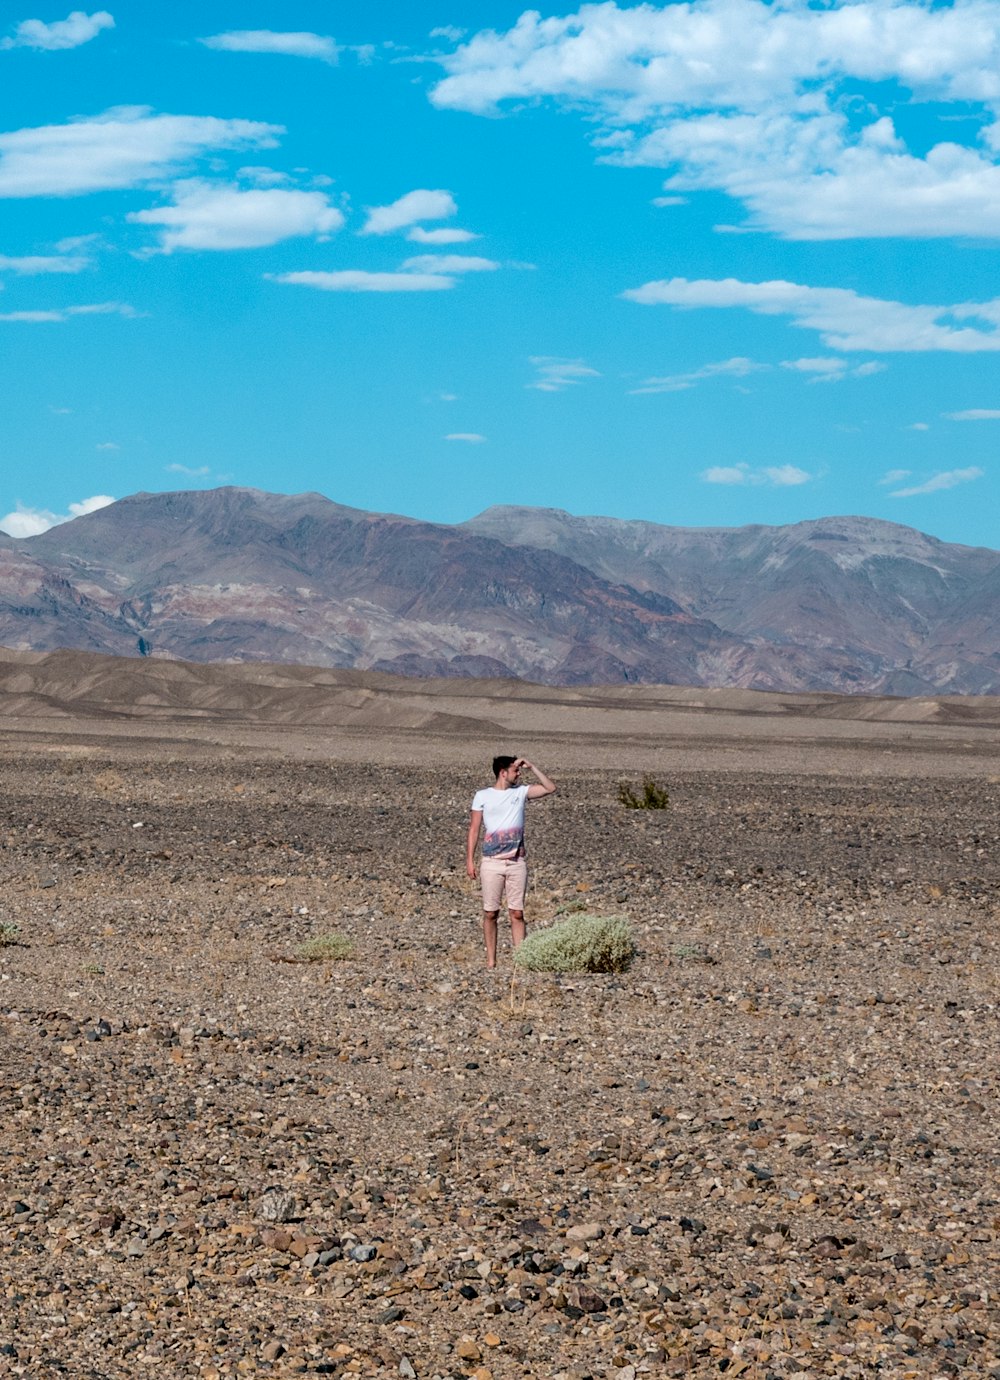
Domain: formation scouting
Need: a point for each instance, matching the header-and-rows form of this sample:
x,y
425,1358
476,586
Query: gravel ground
x,y
771,1149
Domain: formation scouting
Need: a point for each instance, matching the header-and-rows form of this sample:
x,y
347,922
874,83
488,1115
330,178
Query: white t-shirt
x,y
503,820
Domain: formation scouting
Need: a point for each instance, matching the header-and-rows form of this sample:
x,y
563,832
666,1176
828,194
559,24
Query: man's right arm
x,y
475,822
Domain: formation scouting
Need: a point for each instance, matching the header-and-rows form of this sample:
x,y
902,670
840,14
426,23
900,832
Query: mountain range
x,y
844,604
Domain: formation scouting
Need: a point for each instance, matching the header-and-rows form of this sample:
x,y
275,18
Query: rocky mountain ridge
x,y
840,604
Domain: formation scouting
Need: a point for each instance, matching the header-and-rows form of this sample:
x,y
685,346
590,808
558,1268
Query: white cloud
x,y
779,476
266,177
306,45
441,236
830,369
944,479
201,472
121,148
448,263
218,215
449,32
43,263
918,426
974,414
844,319
408,210
737,367
786,108
78,28
894,477
785,476
555,375
357,280
107,445
473,437
64,313
30,522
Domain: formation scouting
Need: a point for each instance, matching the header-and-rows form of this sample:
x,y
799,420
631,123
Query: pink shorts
x,y
498,875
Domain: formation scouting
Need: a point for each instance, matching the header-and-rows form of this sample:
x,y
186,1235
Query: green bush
x,y
325,948
653,797
583,944
9,933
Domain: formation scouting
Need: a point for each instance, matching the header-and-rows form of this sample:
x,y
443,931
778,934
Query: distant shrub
x,y
583,944
9,933
653,797
325,948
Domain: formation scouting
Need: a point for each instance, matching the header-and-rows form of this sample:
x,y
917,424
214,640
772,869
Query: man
x,y
500,809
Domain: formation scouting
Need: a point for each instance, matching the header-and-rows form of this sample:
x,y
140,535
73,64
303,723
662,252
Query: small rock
x,y
586,1231
278,1206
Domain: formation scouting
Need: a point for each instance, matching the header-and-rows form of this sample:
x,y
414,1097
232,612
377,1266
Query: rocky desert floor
x,y
770,1149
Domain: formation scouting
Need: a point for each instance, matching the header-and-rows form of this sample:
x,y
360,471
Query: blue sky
x,y
705,264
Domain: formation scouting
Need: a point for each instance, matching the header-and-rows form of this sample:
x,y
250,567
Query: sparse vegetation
x,y
582,944
691,952
9,933
653,797
571,907
325,948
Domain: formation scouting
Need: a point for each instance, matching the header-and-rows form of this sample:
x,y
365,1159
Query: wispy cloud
x,y
737,367
77,29
218,215
974,414
473,437
944,479
357,280
555,375
125,147
30,264
778,476
65,313
832,369
843,318
418,205
918,426
307,45
894,477
107,445
30,522
199,472
448,263
443,235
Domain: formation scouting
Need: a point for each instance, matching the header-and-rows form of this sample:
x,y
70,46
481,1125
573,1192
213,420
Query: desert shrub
x,y
325,948
653,797
583,944
9,933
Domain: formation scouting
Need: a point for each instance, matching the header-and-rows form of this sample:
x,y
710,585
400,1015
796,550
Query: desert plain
x,y
769,1149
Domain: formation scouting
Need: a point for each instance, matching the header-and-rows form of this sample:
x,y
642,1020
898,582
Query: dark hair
x,y
502,763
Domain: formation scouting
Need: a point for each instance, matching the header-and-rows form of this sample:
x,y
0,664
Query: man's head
x,y
507,766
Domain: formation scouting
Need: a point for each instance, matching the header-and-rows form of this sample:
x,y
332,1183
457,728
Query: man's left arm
x,y
542,785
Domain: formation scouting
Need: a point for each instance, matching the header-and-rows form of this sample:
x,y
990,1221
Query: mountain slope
x,y
914,612
836,605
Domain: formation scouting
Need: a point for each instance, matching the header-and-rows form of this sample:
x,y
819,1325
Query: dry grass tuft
x,y
325,948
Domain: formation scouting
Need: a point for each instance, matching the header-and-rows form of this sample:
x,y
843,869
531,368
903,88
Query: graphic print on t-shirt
x,y
503,821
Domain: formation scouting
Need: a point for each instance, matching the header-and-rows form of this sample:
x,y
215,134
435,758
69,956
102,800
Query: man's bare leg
x,y
517,927
490,936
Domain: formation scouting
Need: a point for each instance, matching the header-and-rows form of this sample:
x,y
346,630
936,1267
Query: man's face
x,y
512,773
